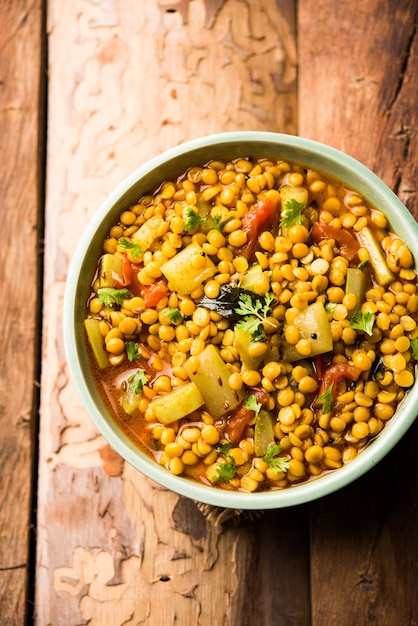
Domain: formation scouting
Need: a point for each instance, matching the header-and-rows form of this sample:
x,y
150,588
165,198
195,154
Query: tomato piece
x,y
261,396
125,279
319,367
348,245
237,423
257,219
242,416
335,373
135,286
152,294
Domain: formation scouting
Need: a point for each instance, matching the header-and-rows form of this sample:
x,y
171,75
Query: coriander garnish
x,y
255,315
275,462
292,213
110,296
134,248
327,399
137,381
363,321
193,220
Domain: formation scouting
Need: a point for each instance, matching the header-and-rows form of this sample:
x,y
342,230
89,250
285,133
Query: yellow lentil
x,y
295,271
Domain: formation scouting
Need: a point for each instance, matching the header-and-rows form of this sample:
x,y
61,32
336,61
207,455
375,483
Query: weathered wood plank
x,y
358,76
20,176
127,80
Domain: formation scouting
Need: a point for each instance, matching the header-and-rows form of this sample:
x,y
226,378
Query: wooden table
x,y
89,90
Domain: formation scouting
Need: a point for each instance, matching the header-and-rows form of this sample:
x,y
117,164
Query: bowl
x,y
145,179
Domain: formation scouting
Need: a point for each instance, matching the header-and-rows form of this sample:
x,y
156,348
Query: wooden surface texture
x,y
358,93
127,79
21,175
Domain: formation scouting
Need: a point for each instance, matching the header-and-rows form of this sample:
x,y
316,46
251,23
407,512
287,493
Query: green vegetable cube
x,y
96,342
177,403
188,269
212,378
314,326
110,266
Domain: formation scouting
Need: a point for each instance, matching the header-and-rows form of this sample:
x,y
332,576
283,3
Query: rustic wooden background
x,y
89,90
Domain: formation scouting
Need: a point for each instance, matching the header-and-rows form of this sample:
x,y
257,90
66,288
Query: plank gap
x,y
41,192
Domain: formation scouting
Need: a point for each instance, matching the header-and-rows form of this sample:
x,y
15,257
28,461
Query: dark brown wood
x,y
270,561
20,176
364,554
276,581
358,77
357,83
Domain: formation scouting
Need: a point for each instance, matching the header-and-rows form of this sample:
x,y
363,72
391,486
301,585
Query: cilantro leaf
x,y
254,327
223,449
193,219
255,313
327,399
414,347
225,472
258,335
330,307
363,321
258,308
109,296
277,464
174,315
218,223
132,351
292,213
137,381
252,405
134,248
273,450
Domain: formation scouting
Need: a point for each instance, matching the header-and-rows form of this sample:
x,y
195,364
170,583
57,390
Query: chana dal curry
x,y
253,324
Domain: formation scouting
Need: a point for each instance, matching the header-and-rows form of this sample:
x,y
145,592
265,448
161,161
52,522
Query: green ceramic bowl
x,y
145,179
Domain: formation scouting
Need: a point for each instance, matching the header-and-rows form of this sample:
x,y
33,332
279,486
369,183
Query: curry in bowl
x,y
252,324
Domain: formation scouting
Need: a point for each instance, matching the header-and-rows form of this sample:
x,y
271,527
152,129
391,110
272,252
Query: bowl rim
x,y
401,221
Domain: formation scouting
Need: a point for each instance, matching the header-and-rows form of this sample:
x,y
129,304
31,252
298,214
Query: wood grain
x,y
127,80
357,84
20,176
358,76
